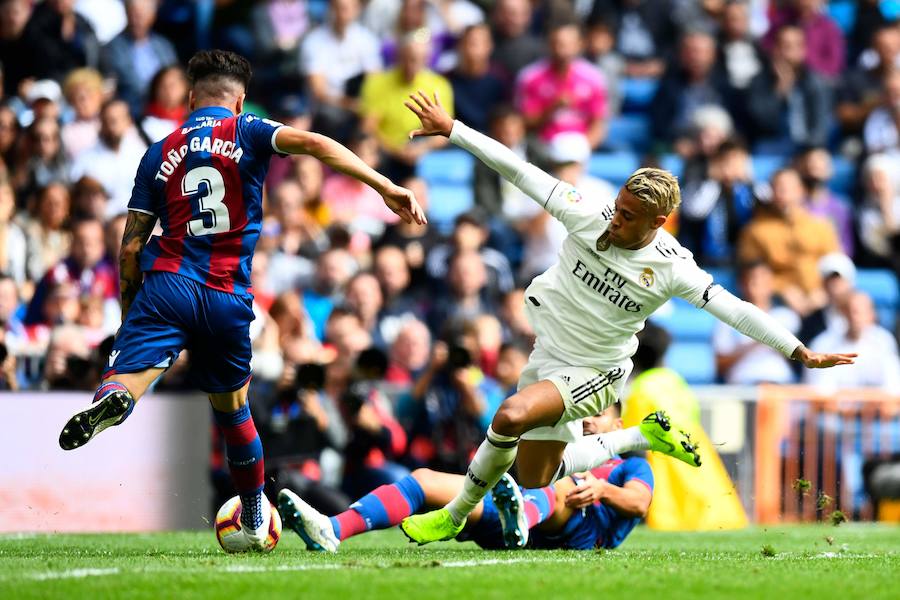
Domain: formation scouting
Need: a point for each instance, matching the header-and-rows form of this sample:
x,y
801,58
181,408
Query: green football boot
x,y
434,526
669,438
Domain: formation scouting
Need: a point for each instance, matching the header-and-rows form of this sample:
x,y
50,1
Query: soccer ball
x,y
228,528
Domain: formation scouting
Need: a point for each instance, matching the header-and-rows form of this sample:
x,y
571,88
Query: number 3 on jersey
x,y
212,205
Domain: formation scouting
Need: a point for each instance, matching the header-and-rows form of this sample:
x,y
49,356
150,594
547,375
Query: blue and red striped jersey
x,y
204,182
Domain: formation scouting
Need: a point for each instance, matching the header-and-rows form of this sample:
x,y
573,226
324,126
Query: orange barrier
x,y
804,435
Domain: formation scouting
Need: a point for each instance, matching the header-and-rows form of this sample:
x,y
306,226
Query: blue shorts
x,y
172,313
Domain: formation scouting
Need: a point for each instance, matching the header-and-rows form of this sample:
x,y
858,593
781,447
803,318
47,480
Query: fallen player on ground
x,y
595,509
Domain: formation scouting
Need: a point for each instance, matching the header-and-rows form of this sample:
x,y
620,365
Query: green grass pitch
x,y
785,563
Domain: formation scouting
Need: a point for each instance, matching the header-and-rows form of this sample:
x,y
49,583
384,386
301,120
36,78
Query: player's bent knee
x,y
422,475
511,419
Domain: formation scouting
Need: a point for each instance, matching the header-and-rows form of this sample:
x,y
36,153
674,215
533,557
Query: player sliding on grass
x,y
190,287
615,268
594,509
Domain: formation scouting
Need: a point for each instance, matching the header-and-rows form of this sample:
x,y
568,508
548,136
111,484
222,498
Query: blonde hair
x,y
90,78
656,189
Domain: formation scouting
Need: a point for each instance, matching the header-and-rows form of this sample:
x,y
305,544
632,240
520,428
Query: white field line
x,y
260,568
71,574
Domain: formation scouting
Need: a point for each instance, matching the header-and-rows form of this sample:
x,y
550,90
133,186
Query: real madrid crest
x,y
646,277
603,242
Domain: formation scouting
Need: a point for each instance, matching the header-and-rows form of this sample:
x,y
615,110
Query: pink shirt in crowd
x,y
539,87
348,199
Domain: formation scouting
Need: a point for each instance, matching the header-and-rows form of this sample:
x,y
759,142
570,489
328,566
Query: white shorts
x,y
586,391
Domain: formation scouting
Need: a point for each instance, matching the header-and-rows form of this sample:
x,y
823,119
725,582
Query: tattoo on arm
x,y
138,228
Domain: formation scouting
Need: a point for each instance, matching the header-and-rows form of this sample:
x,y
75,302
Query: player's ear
x,y
658,221
191,100
239,107
617,424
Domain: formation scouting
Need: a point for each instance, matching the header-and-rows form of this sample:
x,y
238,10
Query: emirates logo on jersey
x,y
646,277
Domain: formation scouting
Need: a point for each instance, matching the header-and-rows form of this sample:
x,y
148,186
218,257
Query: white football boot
x,y
257,537
312,526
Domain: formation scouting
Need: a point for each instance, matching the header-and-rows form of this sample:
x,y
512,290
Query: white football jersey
x,y
587,308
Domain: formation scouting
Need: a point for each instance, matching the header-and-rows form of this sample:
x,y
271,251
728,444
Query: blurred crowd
x,y
381,346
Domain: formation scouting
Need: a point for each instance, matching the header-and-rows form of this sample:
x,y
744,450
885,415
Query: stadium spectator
x,y
334,268
295,330
364,299
470,234
12,238
514,44
467,295
476,88
838,278
57,40
717,205
69,365
381,106
600,50
411,18
692,80
563,93
14,16
409,354
89,199
400,302
113,161
877,365
510,364
861,87
333,85
414,239
740,54
46,236
452,16
788,105
83,89
167,103
825,43
880,129
278,29
791,241
453,404
112,237
878,216
85,268
741,360
816,169
137,54
489,334
352,203
44,160
107,17
9,134
645,32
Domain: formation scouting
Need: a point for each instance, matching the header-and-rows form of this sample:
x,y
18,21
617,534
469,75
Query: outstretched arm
x,y
525,176
398,199
756,324
138,228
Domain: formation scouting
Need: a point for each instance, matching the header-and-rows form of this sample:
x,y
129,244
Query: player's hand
x,y
434,119
403,202
818,360
588,492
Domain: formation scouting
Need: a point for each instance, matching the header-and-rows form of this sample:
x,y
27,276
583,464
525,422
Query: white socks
x,y
591,451
494,457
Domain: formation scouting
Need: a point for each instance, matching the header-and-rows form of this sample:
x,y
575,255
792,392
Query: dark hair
x,y
504,111
210,70
153,88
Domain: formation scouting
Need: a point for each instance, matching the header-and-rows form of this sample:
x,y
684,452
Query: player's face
x,y
608,420
632,223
